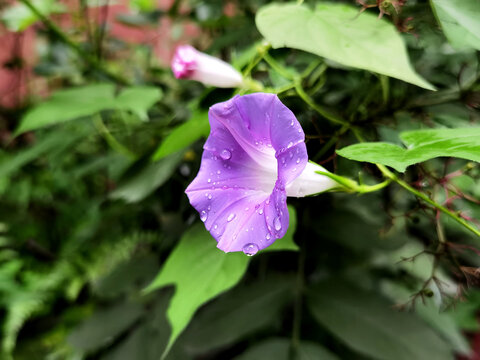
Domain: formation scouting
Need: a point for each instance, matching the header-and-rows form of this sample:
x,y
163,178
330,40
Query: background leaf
x,y
279,349
365,322
70,104
340,33
184,135
459,20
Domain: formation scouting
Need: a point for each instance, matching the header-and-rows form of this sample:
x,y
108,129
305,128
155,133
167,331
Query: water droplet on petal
x,y
290,144
246,209
215,227
277,224
268,236
260,211
231,217
250,249
209,181
292,123
203,216
219,172
209,196
225,154
298,161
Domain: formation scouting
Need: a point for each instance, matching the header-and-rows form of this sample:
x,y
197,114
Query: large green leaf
x,y
338,32
421,145
200,272
279,349
184,135
460,21
87,100
240,312
367,323
104,325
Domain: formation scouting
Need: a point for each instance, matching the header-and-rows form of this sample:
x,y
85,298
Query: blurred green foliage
x,y
102,257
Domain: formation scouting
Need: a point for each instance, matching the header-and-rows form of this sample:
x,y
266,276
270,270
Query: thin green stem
x,y
297,306
388,174
277,67
91,60
110,139
324,112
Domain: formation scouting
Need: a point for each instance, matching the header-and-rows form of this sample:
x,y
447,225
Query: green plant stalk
x,y
309,101
74,46
110,139
388,174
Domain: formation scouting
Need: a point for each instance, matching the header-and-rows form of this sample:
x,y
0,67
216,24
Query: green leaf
x,y
367,323
137,185
459,20
338,32
242,311
184,135
279,349
421,145
47,144
87,100
104,326
138,99
19,17
199,272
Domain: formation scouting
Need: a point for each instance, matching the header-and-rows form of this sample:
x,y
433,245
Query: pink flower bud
x,y
188,63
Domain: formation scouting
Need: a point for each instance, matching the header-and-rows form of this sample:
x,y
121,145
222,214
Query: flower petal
x,y
255,150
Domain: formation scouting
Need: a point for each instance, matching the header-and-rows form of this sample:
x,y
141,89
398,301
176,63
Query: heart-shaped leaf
x,y
340,33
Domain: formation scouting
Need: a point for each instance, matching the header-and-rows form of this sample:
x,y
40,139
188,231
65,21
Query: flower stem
x,y
324,112
91,60
110,139
388,174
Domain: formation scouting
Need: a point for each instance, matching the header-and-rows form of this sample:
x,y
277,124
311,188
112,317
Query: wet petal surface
x,y
255,149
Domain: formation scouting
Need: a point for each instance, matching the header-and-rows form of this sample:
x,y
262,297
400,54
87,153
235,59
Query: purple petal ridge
x,y
255,149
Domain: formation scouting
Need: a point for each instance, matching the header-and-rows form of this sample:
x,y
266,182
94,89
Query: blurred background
x,y
98,142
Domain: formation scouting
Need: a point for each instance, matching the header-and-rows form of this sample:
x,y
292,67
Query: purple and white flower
x,y
188,63
253,159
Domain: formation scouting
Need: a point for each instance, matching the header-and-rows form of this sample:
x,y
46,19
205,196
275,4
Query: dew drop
x,y
292,123
209,181
277,224
268,236
203,216
209,196
298,161
290,144
260,211
219,172
246,209
250,249
225,154
231,217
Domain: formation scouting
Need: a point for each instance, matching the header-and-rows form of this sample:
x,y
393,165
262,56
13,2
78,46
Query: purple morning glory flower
x,y
253,159
188,63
